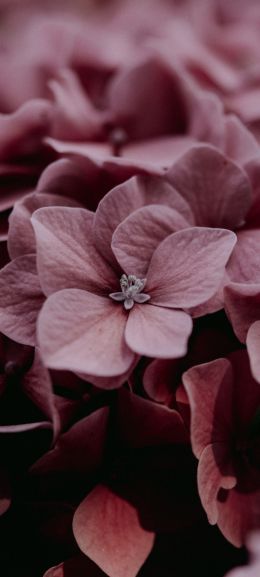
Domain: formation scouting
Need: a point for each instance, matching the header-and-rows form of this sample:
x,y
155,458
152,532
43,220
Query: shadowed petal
x,y
21,299
158,332
83,332
136,238
210,391
253,347
187,267
217,190
107,529
242,304
214,473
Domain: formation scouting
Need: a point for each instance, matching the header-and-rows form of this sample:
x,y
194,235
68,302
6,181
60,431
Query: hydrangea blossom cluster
x,y
130,290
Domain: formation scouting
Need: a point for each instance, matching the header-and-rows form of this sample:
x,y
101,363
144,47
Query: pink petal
x,y
22,131
21,238
187,267
66,256
159,380
125,198
214,473
21,299
136,238
238,515
253,347
143,423
242,305
241,145
244,265
75,450
82,332
79,566
107,519
247,391
160,151
75,117
217,190
210,391
158,332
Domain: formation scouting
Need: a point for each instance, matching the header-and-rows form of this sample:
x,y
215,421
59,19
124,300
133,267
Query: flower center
x,y
131,291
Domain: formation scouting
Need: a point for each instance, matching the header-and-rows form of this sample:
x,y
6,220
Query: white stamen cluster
x,y
131,291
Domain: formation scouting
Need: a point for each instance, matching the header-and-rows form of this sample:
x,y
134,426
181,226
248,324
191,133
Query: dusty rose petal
x,y
161,151
247,390
214,473
82,332
238,515
21,299
187,267
244,263
217,190
128,98
75,117
253,347
66,256
130,196
210,391
157,331
136,238
79,566
242,305
159,380
106,518
86,437
21,238
240,145
144,423
23,130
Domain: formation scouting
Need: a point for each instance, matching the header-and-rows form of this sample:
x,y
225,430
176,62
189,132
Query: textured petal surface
x,y
106,518
242,304
210,391
214,473
130,196
66,257
21,299
187,267
82,332
136,238
157,331
217,190
21,238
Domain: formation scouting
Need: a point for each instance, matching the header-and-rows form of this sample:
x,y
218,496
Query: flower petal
x,y
253,347
82,332
210,389
105,518
158,332
21,238
21,299
136,238
66,257
242,305
187,267
125,198
217,190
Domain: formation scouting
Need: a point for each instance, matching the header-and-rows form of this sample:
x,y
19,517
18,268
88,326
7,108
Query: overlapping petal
x,y
187,267
82,332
